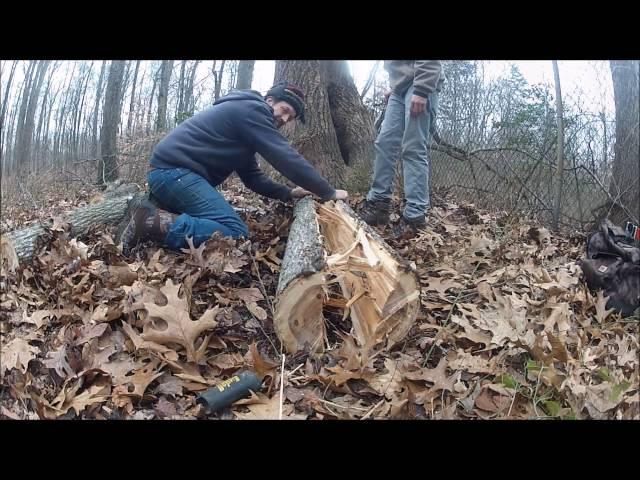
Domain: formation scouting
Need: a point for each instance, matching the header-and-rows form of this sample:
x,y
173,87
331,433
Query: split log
x,y
108,212
329,246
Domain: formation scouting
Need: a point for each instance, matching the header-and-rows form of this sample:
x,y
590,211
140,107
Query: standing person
x,y
411,110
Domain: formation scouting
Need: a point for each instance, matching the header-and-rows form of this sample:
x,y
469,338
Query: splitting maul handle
x,y
225,393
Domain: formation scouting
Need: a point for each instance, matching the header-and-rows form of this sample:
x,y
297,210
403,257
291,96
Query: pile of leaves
x,y
507,330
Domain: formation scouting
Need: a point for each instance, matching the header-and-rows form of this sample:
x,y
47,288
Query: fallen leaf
x,y
17,354
558,314
120,367
248,294
37,317
269,410
137,382
171,323
57,360
171,385
165,408
88,332
467,362
341,376
140,344
257,310
437,376
106,313
494,399
390,384
350,352
601,307
261,366
441,285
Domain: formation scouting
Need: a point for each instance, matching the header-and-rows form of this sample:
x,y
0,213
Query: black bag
x,y
613,265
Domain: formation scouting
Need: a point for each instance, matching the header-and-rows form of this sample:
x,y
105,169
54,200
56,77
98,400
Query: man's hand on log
x,y
341,195
300,192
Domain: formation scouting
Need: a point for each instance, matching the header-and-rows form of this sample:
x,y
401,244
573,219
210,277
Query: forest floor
x,y
507,328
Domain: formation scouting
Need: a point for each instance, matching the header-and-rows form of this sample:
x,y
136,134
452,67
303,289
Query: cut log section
x,y
330,246
22,243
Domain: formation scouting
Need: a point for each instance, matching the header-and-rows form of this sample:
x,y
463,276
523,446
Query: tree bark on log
x,y
108,212
329,245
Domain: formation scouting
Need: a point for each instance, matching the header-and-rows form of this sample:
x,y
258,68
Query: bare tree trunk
x,y
189,100
370,79
123,91
218,79
245,74
625,188
45,111
61,122
108,166
26,138
96,109
132,101
181,92
163,91
3,110
78,115
557,208
150,106
26,90
139,104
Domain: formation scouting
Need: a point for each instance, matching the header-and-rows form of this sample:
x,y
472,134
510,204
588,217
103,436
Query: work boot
x,y
415,224
143,222
375,212
408,228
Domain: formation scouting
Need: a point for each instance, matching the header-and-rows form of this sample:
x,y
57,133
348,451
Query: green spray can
x,y
231,390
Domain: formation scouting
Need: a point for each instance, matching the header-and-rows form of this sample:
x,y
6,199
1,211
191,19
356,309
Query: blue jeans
x,y
407,137
203,209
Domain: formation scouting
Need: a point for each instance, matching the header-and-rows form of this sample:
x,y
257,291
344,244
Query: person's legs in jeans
x,y
415,159
387,147
203,209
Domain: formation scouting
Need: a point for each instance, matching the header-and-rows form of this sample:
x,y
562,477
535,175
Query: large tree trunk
x,y
353,124
108,212
108,166
245,74
625,186
338,136
328,246
316,140
163,92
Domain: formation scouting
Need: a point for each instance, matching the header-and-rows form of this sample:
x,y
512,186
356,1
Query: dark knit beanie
x,y
291,94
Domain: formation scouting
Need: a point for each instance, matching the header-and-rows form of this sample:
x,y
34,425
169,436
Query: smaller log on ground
x,y
108,212
328,245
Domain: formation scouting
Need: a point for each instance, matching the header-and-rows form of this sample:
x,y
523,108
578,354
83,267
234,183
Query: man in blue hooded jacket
x,y
204,150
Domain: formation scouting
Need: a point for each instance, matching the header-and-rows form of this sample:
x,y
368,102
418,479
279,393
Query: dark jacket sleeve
x,y
427,74
254,178
260,132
